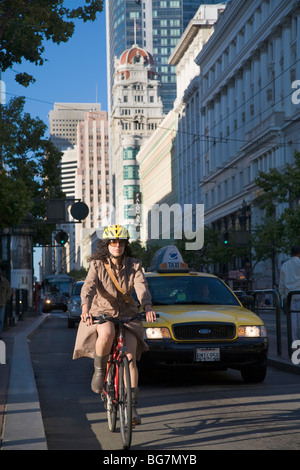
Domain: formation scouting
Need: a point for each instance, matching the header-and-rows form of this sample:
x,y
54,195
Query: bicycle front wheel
x,y
110,403
125,403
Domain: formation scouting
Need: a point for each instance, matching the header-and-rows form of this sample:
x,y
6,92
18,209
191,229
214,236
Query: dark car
x,y
56,289
74,306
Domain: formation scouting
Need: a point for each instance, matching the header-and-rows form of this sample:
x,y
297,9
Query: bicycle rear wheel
x,y
110,403
125,403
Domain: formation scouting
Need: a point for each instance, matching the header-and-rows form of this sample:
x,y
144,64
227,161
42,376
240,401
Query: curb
x,y
23,424
283,364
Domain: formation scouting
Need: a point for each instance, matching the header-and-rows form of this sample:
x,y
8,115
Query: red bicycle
x,y
116,393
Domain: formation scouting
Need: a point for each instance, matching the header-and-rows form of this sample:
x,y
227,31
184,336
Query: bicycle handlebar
x,y
120,321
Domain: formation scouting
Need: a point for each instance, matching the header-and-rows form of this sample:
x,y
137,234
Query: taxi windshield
x,y
171,290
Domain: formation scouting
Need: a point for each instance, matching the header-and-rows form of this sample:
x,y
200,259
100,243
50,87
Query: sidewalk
x,y
21,424
282,362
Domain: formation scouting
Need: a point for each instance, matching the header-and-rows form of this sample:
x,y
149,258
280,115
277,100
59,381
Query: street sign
x,y
56,211
79,211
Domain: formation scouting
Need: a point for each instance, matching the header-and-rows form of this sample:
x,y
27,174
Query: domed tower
x,y
136,56
137,112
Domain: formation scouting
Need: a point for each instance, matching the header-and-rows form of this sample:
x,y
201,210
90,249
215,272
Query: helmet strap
x,y
116,257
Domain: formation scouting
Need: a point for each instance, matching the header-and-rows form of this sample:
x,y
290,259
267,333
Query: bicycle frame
x,y
116,356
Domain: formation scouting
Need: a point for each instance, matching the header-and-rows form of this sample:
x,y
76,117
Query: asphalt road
x,y
181,408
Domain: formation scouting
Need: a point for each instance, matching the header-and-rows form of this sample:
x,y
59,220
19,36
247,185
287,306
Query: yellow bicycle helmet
x,y
113,232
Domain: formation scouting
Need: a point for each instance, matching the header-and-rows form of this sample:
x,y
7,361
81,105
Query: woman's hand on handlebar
x,y
150,316
86,317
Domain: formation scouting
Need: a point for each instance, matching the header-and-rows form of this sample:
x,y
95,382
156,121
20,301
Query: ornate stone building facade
x,y
248,121
136,114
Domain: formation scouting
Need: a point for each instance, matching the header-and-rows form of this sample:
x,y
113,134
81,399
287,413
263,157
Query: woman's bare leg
x,y
105,338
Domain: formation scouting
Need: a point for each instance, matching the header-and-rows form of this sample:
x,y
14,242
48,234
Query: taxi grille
x,y
204,331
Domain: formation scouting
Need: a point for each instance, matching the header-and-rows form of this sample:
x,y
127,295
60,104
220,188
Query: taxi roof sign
x,y
168,259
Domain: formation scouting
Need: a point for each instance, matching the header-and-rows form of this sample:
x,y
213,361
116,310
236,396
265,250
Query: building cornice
x,y
225,27
186,39
232,18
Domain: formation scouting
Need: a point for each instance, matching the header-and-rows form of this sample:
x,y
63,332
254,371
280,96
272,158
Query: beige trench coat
x,y
101,295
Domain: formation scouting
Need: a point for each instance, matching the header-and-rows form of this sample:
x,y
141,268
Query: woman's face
x,y
116,247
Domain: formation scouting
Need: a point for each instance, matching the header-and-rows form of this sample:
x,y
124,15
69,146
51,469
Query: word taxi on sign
x,y
168,259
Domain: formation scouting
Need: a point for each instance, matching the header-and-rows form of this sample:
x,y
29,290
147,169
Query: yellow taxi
x,y
201,321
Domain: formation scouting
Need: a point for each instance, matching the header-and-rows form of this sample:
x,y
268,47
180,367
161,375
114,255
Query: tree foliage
x,y
144,253
29,163
279,198
78,274
15,200
30,168
211,254
25,24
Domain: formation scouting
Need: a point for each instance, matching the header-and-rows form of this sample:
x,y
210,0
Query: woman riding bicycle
x,y
100,293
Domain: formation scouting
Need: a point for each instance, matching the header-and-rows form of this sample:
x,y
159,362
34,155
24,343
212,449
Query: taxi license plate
x,y
207,355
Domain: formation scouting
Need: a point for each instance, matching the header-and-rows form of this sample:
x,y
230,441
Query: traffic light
x,y
225,238
61,237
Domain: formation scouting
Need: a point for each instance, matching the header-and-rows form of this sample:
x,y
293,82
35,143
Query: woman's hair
x,y
102,252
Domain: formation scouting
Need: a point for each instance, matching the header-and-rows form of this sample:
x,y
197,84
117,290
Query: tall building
x,y
63,120
187,104
238,117
69,165
92,180
93,169
79,130
172,154
155,25
136,114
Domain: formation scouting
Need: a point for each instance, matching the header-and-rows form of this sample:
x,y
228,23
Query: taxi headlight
x,y
157,333
252,332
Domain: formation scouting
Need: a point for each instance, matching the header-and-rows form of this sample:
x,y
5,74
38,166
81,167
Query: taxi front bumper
x,y
234,354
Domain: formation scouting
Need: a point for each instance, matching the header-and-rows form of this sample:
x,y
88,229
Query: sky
x,y
75,72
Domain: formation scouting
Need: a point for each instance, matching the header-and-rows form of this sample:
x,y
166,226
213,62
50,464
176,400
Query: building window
x,y
130,153
129,212
131,172
129,190
175,32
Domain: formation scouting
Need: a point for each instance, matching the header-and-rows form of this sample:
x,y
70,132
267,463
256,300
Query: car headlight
x,y
48,301
157,333
252,332
75,304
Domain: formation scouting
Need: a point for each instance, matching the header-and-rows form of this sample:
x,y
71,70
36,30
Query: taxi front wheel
x,y
254,374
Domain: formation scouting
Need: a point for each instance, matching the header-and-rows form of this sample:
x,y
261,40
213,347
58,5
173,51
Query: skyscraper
x,y
155,25
63,120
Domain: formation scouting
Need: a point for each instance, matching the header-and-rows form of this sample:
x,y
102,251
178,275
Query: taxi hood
x,y
170,314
